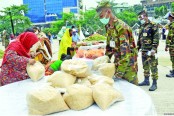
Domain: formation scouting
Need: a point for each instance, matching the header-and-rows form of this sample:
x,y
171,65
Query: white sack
x,y
78,68
78,97
45,101
107,69
105,95
36,71
61,79
98,61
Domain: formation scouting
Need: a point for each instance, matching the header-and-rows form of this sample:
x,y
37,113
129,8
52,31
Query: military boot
x,y
145,82
171,74
154,85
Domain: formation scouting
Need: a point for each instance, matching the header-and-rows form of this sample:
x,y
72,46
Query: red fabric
x,y
22,45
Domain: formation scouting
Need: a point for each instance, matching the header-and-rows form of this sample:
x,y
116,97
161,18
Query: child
x,y
55,65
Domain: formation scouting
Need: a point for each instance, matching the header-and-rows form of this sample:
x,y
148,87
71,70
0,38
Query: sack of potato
x,y
36,71
98,61
105,95
83,81
45,101
107,69
98,79
61,79
78,68
78,97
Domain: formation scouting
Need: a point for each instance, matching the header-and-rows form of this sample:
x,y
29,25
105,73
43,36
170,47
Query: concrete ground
x,y
163,97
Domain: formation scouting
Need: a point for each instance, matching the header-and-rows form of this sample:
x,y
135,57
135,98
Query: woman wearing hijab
x,y
66,42
44,49
16,57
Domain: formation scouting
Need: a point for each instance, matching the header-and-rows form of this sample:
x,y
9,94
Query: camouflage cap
x,y
103,4
141,12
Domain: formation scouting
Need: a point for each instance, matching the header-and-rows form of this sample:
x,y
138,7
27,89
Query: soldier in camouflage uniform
x,y
120,43
170,42
148,41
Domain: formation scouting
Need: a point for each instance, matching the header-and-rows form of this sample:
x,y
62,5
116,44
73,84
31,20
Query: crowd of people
x,y
33,45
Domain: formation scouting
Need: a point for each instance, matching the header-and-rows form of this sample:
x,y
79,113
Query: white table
x,y
136,103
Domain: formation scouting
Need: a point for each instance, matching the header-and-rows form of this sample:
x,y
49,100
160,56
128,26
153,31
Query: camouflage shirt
x,y
170,37
125,51
148,37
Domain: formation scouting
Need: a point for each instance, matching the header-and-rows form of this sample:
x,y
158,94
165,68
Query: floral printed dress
x,y
14,69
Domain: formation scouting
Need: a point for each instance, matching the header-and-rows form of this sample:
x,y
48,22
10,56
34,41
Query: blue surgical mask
x,y
105,20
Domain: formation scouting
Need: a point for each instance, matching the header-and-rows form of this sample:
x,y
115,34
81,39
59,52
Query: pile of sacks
x,y
76,87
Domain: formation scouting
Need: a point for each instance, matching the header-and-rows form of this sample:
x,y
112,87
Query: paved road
x,y
163,97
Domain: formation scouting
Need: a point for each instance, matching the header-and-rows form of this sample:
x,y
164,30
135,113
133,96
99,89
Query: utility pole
x,y
12,26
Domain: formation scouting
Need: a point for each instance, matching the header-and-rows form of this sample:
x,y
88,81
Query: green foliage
x,y
128,16
1,53
95,37
172,6
137,8
68,17
90,20
55,27
86,20
157,11
161,11
20,21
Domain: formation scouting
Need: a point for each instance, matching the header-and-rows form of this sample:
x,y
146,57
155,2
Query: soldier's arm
x,y
124,57
138,41
168,40
108,48
155,42
169,36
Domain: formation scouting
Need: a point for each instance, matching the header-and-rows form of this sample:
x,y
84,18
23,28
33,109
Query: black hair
x,y
29,30
72,27
65,57
36,28
143,12
70,30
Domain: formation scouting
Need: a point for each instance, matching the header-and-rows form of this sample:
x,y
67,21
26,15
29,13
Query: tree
x,y
129,17
137,8
157,11
20,21
160,11
163,10
172,6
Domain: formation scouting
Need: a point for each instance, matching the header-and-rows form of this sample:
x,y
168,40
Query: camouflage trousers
x,y
150,64
128,70
171,51
131,75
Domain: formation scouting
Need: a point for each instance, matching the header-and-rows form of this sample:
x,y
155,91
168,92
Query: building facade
x,y
120,7
150,5
43,11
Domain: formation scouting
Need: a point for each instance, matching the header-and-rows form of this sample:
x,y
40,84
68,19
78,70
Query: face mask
x,y
142,22
36,32
105,20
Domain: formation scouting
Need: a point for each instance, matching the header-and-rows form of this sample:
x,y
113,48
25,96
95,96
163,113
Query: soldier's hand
x,y
32,61
166,49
